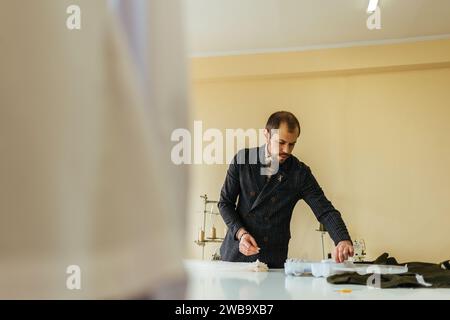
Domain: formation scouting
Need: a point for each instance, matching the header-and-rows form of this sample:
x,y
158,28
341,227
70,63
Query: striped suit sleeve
x,y
228,196
323,209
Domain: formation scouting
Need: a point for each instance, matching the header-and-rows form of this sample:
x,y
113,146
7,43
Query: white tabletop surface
x,y
210,280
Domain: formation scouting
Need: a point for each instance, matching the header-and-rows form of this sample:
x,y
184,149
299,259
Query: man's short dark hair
x,y
279,117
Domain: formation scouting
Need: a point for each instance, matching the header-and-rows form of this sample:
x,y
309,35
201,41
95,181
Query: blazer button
x,y
273,199
252,193
266,239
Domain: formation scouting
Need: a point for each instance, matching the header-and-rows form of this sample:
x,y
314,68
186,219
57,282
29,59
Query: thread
x,y
201,235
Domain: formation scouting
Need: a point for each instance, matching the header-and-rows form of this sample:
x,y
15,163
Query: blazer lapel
x,y
275,181
257,179
255,168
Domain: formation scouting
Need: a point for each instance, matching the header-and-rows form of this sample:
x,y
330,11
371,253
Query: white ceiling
x,y
221,27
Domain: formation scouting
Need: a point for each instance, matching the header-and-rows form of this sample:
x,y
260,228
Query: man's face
x,y
281,145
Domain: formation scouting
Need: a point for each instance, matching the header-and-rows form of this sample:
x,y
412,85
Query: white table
x,y
207,281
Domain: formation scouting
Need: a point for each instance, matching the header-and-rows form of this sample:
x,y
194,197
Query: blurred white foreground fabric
x,y
85,171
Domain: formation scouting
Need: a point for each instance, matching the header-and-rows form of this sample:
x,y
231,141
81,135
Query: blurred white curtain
x,y
85,171
155,35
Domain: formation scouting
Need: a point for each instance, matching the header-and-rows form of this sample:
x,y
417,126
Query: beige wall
x,y
375,131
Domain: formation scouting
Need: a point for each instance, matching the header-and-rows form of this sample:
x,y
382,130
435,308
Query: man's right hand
x,y
248,246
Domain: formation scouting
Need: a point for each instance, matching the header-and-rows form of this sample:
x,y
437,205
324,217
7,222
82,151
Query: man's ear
x,y
266,134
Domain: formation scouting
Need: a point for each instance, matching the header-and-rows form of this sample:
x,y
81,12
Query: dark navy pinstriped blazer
x,y
265,206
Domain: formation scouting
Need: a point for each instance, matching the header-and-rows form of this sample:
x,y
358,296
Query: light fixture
x,y
373,4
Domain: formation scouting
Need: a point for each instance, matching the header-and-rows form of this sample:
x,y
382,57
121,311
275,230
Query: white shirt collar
x,y
267,156
268,160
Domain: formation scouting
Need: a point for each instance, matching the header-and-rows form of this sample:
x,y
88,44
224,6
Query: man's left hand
x,y
343,250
